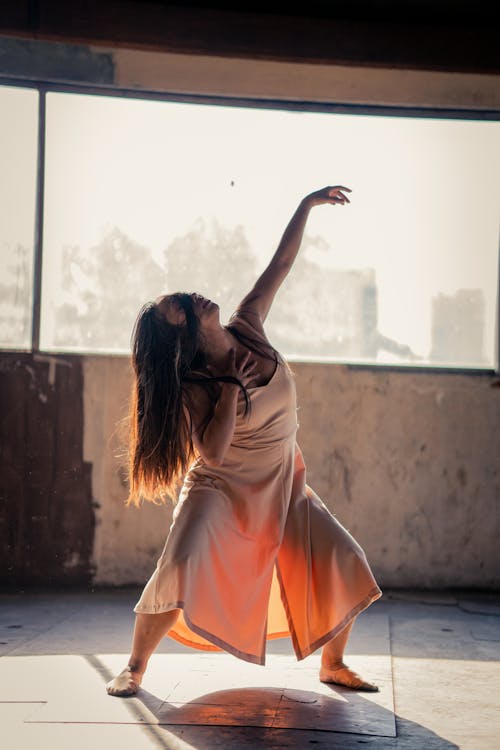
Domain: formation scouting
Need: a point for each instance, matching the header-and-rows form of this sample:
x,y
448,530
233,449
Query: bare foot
x,y
126,683
342,675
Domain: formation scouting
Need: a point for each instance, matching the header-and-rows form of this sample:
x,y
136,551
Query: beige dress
x,y
252,552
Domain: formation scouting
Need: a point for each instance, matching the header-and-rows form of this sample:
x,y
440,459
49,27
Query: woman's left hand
x,y
330,194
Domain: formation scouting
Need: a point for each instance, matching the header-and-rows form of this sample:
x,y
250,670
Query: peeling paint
x,y
53,362
439,397
46,517
55,61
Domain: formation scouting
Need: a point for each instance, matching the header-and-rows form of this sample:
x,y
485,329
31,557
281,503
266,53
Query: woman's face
x,y
175,307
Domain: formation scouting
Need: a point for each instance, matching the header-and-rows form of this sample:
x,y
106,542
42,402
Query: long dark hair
x,y
166,358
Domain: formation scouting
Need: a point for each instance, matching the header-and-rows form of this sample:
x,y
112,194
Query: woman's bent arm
x,y
212,439
266,286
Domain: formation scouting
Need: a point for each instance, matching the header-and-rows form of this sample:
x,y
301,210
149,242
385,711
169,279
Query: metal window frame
x,y
45,87
38,239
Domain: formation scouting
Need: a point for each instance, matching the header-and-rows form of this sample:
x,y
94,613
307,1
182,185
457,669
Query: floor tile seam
x,y
485,640
166,700
108,722
355,735
480,614
393,675
276,711
358,736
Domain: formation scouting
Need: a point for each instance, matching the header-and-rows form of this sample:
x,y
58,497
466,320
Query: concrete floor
x,y
436,657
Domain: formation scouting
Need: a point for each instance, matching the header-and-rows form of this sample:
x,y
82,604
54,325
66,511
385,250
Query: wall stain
x,y
346,476
462,477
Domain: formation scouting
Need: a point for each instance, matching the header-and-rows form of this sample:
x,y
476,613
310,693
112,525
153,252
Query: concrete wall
x,y
408,462
127,540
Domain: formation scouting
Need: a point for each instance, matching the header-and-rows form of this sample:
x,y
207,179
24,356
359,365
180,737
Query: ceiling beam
x,y
374,34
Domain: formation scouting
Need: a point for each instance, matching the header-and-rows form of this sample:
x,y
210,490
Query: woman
x,y
252,552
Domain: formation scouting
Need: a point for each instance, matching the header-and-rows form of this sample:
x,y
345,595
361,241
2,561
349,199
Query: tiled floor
x,y
435,656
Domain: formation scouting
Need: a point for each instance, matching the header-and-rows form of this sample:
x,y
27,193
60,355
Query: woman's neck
x,y
218,342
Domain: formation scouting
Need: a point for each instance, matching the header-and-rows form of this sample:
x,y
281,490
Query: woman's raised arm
x,y
261,296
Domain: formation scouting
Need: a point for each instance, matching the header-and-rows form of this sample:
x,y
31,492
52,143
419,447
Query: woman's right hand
x,y
243,369
331,194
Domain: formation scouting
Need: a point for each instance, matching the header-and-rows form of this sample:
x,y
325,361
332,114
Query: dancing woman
x,y
252,552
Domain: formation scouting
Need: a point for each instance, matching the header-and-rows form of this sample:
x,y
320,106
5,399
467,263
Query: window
x,y
144,197
18,156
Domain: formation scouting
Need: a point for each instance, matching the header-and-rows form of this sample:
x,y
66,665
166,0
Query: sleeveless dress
x,y
252,552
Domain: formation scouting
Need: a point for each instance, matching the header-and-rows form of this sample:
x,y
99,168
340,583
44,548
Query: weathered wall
x,y
46,513
127,540
409,462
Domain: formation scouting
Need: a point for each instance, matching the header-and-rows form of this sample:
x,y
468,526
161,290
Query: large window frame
x,y
43,88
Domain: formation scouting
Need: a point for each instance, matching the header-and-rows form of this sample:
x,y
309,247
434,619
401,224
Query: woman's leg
x,y
333,651
334,670
148,632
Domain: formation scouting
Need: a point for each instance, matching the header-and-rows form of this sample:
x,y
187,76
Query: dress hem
x,y
374,594
215,643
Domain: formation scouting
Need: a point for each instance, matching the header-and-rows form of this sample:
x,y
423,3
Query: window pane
x,y
18,156
144,197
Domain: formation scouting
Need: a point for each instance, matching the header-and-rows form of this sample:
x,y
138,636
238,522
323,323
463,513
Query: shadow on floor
x,y
271,718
